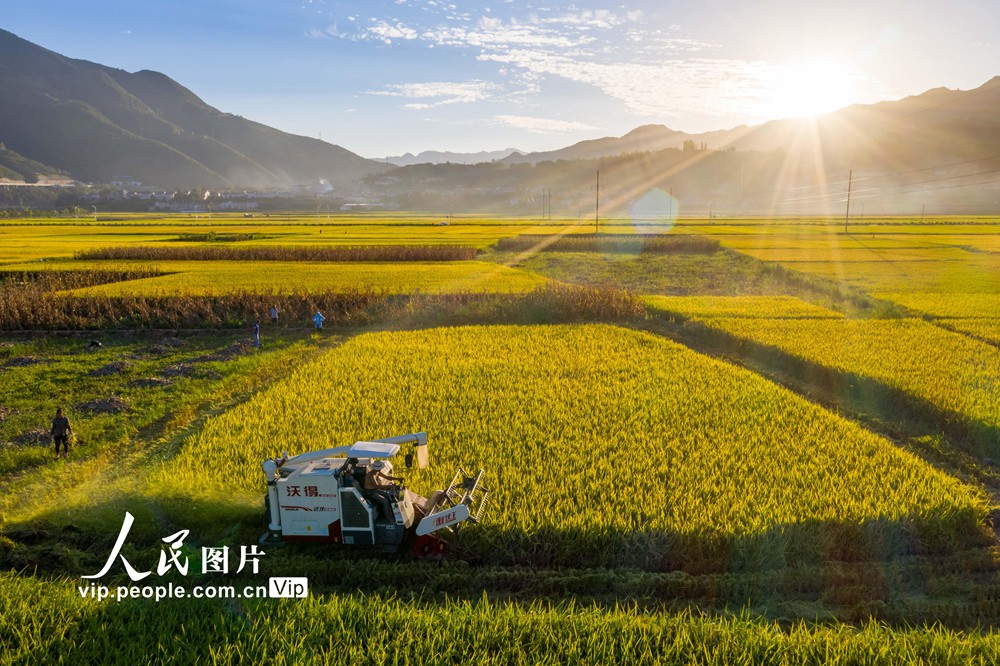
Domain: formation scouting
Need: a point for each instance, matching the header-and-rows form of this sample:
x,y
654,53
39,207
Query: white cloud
x,y
497,36
649,65
439,93
541,125
386,32
597,18
718,87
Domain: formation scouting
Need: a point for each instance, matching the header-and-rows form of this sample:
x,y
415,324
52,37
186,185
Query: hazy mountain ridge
x,y
96,122
938,151
448,157
940,108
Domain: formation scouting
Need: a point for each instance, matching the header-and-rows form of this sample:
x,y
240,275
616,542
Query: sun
x,y
807,88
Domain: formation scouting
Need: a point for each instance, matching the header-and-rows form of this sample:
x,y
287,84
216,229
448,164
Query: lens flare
x,y
655,208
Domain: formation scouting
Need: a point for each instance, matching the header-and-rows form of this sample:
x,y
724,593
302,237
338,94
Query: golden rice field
x,y
625,468
206,278
978,274
60,239
768,307
949,306
603,446
987,329
949,370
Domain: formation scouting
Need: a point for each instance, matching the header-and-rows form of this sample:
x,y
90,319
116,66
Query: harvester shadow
x,y
899,571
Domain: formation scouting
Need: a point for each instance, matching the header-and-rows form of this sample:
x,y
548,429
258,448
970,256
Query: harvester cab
x,y
351,495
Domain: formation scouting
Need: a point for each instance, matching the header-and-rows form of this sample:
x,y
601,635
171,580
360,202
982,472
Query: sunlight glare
x,y
807,88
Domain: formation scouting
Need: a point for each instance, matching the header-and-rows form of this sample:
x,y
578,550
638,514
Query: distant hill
x,y
642,139
444,157
95,123
926,129
18,168
937,152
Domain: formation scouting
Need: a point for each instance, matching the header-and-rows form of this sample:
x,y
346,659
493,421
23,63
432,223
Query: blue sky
x,y
384,77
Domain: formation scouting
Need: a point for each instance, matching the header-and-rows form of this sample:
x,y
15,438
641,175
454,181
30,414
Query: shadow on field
x,y
878,406
909,570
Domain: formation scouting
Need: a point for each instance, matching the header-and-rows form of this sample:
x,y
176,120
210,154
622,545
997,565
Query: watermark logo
x,y
213,560
288,588
173,557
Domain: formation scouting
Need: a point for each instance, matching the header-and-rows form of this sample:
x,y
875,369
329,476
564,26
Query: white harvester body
x,y
350,495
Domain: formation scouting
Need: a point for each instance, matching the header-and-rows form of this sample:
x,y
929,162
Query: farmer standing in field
x,y
256,334
274,315
318,318
61,430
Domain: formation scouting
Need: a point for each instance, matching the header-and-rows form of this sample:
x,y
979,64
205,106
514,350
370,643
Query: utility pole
x,y
847,214
597,203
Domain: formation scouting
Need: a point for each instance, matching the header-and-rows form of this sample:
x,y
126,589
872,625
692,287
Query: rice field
x,y
576,422
755,307
46,623
949,305
666,488
947,369
986,329
206,278
977,275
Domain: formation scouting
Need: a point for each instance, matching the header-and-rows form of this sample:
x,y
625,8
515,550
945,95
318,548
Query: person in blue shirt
x,y
318,318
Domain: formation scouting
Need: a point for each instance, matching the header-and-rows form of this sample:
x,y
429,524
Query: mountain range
x,y
62,118
938,151
98,123
936,122
447,157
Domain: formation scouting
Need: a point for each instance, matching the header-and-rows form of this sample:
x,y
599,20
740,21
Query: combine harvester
x,y
348,495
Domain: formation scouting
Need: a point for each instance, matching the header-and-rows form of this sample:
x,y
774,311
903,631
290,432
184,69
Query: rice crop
x,y
205,278
40,309
949,305
951,371
47,622
633,243
984,329
780,307
603,446
364,253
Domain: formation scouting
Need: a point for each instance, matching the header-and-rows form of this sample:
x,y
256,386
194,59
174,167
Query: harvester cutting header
x,y
349,495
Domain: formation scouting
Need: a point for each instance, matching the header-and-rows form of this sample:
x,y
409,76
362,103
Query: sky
x,y
385,77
